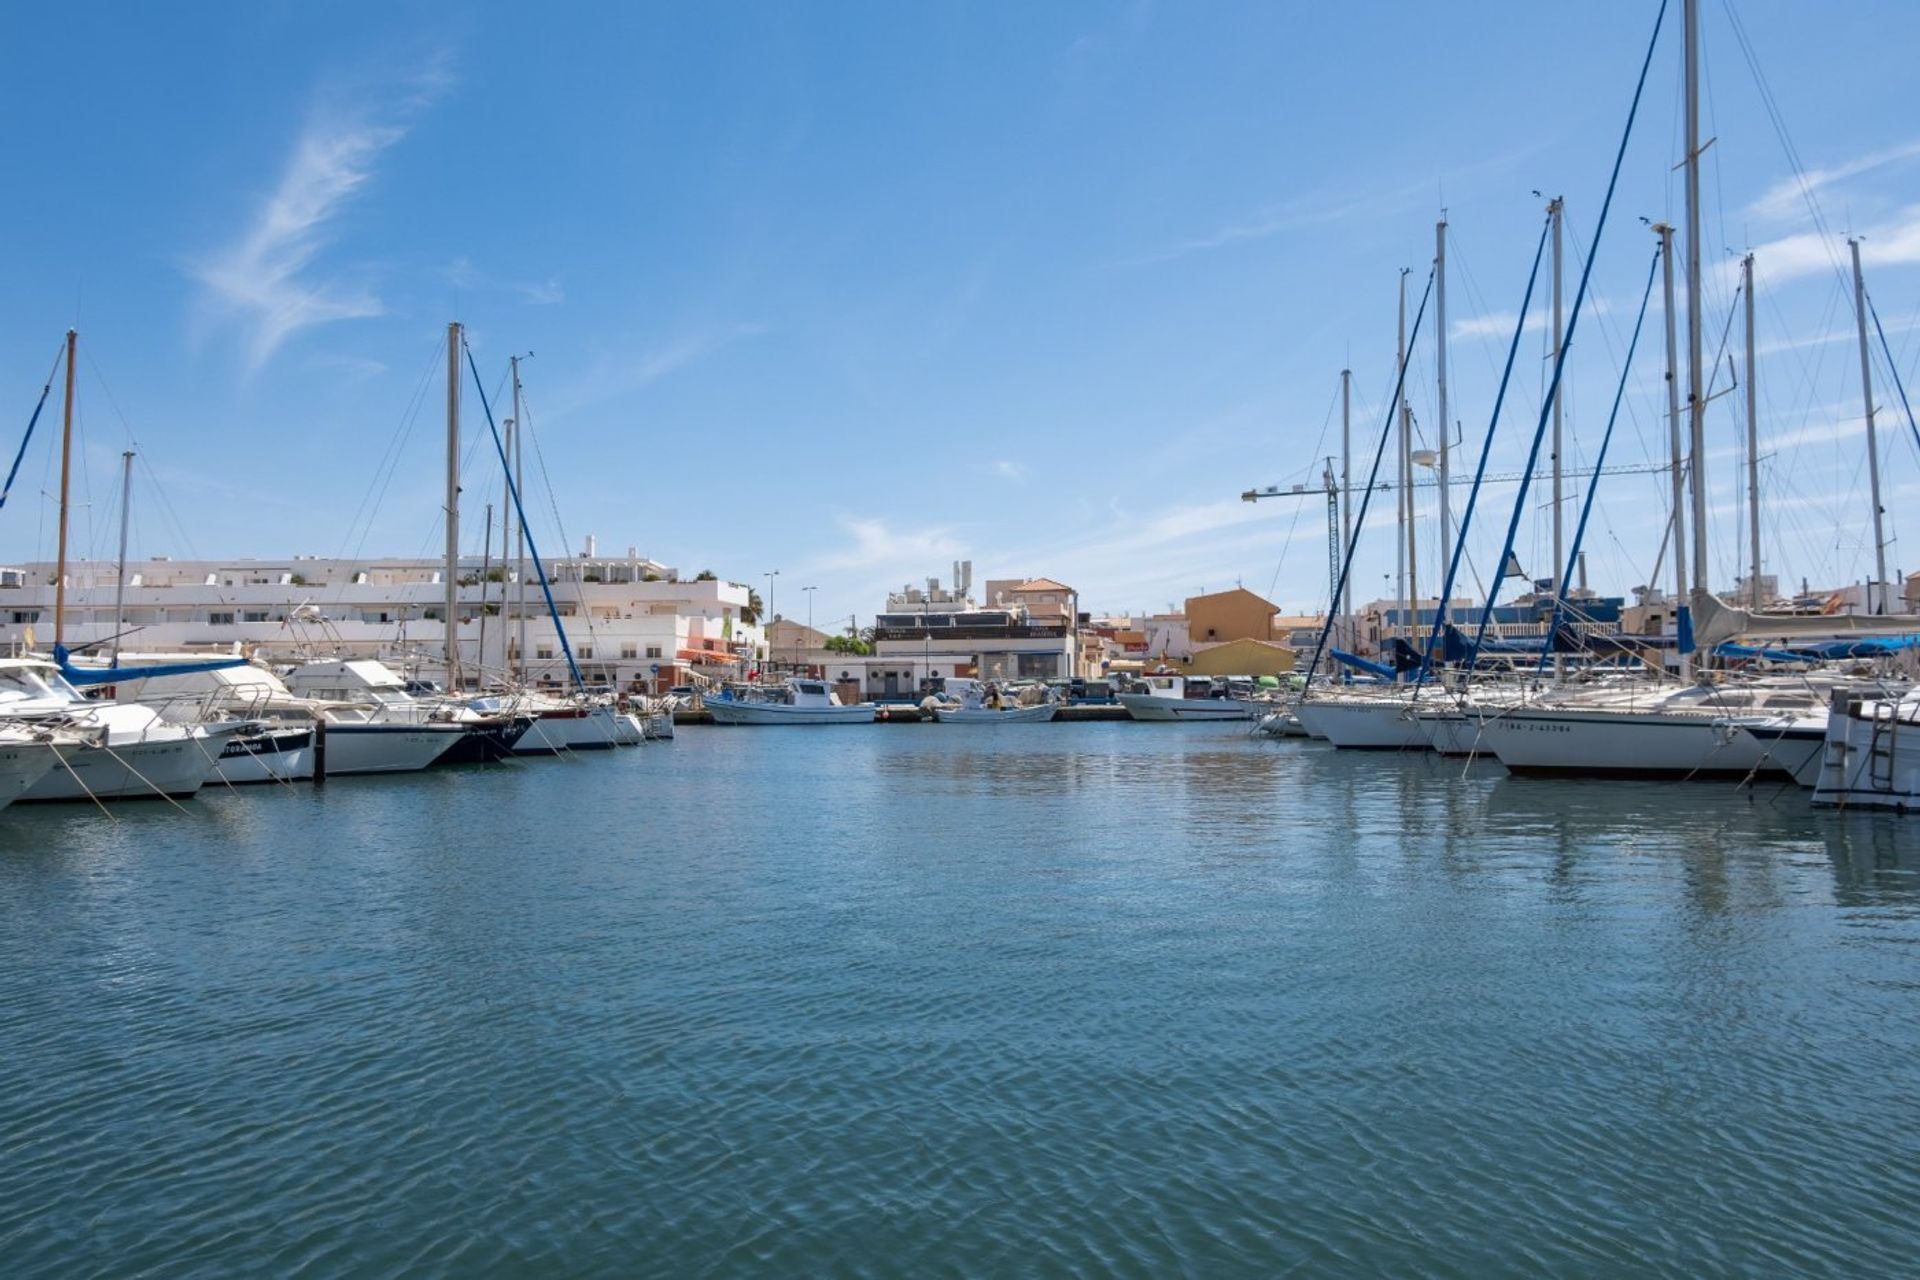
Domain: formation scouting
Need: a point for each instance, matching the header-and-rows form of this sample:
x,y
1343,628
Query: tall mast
x,y
1876,594
1665,232
452,571
1696,383
1345,606
66,476
1403,543
507,426
1440,377
1753,448
519,529
1555,208
120,572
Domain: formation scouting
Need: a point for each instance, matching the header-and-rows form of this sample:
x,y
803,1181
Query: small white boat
x,y
1165,698
981,713
796,702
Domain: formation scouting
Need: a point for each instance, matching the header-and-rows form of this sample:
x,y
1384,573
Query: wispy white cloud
x,y
462,274
1894,242
264,282
629,369
1499,324
1008,469
877,544
1787,198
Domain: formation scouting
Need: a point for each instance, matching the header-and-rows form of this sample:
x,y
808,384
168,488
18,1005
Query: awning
x,y
712,657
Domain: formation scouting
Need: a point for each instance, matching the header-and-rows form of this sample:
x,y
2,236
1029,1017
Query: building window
x,y
653,651
219,619
629,651
26,615
254,617
586,651
543,651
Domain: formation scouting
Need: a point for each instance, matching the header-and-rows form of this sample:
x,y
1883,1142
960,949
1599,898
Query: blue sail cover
x,y
81,677
1359,663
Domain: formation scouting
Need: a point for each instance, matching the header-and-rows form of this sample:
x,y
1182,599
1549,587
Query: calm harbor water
x,y
908,1001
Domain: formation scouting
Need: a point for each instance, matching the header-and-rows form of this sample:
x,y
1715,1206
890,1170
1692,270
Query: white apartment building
x,y
634,624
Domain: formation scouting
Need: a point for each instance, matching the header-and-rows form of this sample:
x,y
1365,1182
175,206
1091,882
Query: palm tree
x,y
751,613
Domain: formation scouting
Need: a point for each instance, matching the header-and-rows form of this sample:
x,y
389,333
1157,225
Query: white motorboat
x,y
796,702
568,725
28,754
275,753
1164,697
133,753
365,690
1871,758
971,712
364,736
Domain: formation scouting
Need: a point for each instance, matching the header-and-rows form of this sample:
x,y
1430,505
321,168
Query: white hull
x,y
1794,747
1603,744
1453,732
387,748
284,755
1282,724
1872,757
1039,714
726,712
1362,724
658,726
1157,707
585,729
169,766
22,764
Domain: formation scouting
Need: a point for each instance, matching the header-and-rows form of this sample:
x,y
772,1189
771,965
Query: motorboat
x,y
986,704
376,693
132,752
27,754
1168,697
801,701
1871,758
361,737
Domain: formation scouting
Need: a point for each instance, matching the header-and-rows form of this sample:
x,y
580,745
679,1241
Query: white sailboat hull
x,y
1452,732
1796,747
1599,744
1362,724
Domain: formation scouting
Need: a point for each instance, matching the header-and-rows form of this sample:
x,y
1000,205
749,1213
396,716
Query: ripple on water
x,y
1078,1000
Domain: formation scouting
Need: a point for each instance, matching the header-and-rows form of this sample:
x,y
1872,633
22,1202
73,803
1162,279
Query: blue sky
x,y
853,290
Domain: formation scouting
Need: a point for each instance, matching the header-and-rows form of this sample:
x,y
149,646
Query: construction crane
x,y
1336,553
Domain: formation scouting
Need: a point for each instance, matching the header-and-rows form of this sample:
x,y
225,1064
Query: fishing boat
x,y
986,705
796,702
